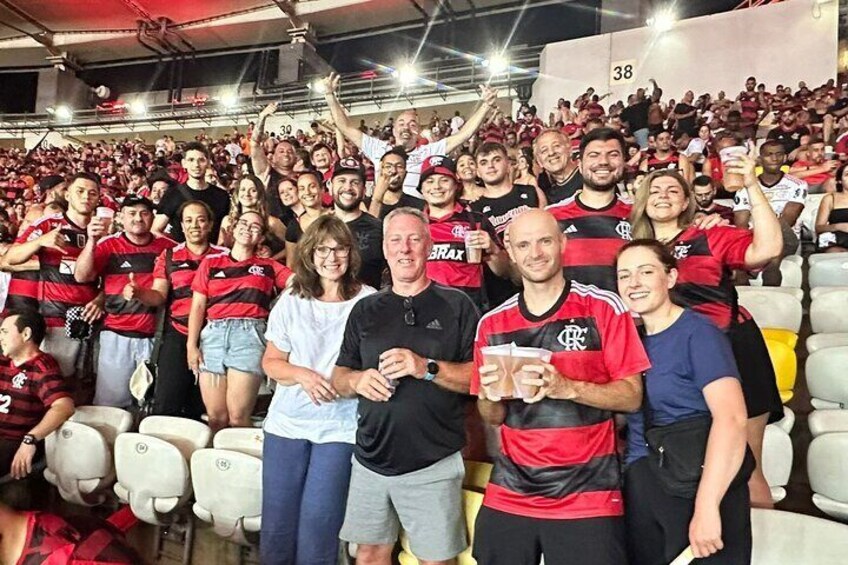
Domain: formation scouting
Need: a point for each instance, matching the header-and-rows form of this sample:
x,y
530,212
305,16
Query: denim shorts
x,y
236,343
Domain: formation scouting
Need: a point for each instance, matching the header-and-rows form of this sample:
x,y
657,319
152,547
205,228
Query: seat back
x,y
825,370
827,461
808,214
773,309
823,341
152,474
790,271
79,461
829,312
783,336
243,440
228,492
829,273
187,435
819,290
107,420
785,367
796,293
777,456
819,257
477,474
786,538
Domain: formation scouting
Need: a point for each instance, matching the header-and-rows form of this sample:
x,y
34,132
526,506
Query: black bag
x,y
147,407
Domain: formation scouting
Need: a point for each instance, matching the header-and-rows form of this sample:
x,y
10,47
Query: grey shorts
x,y
426,503
235,343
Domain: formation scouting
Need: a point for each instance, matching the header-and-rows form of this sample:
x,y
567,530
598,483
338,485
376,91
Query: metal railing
x,y
444,77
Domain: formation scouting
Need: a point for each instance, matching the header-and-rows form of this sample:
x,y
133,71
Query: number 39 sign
x,y
623,72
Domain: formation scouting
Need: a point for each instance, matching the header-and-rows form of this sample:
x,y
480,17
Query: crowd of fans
x,y
350,265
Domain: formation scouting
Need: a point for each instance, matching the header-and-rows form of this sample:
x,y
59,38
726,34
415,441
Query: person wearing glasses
x,y
406,354
388,187
310,430
232,293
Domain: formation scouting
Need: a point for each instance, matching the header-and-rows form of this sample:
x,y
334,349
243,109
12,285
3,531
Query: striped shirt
x,y
24,291
115,259
26,393
558,458
180,274
238,289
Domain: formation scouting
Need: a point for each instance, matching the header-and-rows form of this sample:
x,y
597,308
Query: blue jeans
x,y
641,136
304,492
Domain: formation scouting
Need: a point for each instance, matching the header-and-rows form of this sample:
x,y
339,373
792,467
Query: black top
x,y
686,124
422,423
368,231
559,192
406,200
216,197
636,115
791,139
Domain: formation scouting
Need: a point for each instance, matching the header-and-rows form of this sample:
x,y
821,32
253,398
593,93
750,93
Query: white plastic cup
x,y
106,215
732,181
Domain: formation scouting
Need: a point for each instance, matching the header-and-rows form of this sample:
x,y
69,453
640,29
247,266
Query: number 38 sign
x,y
623,72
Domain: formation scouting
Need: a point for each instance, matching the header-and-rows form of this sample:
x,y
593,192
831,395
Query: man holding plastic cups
x,y
571,357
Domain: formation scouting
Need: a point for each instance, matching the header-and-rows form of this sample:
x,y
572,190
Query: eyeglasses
x,y
323,251
408,312
255,229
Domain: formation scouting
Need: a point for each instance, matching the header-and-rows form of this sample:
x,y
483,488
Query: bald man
x,y
560,499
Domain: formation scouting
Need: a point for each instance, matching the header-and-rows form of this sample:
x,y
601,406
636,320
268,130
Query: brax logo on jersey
x,y
447,252
567,335
19,380
257,270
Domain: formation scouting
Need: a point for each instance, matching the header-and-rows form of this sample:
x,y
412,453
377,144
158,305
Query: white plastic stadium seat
x,y
786,538
808,214
826,378
243,440
819,257
788,421
823,341
152,466
773,309
790,270
829,273
827,461
823,422
228,493
818,291
796,293
777,460
829,312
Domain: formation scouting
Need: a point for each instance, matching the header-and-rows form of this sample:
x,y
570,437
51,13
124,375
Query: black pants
x,y
176,393
658,524
507,539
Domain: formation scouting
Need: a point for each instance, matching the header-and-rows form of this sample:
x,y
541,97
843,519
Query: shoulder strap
x,y
163,311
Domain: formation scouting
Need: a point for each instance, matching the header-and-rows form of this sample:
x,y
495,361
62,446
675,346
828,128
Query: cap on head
x,y
437,165
138,201
349,166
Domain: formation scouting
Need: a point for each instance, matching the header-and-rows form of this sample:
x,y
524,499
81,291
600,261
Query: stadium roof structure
x,y
76,33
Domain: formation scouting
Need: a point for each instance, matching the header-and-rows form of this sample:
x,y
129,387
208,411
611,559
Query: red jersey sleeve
x,y
623,352
729,244
201,278
101,254
281,275
159,267
33,231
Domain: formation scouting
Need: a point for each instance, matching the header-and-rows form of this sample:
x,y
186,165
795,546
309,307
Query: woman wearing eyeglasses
x,y
250,197
310,430
232,293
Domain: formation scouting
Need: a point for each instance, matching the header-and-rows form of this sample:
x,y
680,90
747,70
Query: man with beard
x,y
749,102
195,162
555,489
788,132
271,172
56,241
704,192
348,189
125,262
53,187
665,156
560,178
406,133
388,189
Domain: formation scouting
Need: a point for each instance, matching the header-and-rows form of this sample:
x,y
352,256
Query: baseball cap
x,y
138,201
348,166
437,165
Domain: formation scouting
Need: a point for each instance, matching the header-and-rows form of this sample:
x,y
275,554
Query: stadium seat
x,y
822,341
790,270
783,336
228,493
788,421
773,309
477,475
826,380
785,368
152,465
829,273
243,440
808,214
786,538
796,293
777,460
823,422
829,312
107,420
819,257
818,291
827,460
472,501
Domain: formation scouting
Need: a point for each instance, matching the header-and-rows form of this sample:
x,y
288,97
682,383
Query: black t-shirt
x,y
406,200
368,231
422,423
559,192
686,124
791,139
636,115
216,197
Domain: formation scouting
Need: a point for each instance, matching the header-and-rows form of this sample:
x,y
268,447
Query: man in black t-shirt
x,y
788,132
406,355
167,221
388,187
560,178
635,116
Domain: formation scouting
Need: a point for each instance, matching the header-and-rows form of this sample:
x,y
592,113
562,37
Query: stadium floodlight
x,y
662,20
138,107
317,86
229,99
406,74
63,112
497,63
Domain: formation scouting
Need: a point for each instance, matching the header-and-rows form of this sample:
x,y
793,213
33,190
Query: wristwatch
x,y
29,439
432,370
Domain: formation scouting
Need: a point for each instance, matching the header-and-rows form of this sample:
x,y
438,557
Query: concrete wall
x,y
777,43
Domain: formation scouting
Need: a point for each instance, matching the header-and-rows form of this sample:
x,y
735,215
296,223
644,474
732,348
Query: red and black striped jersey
x,y
705,263
115,259
448,264
238,289
558,458
24,291
749,104
80,540
654,163
180,274
59,290
594,238
26,392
